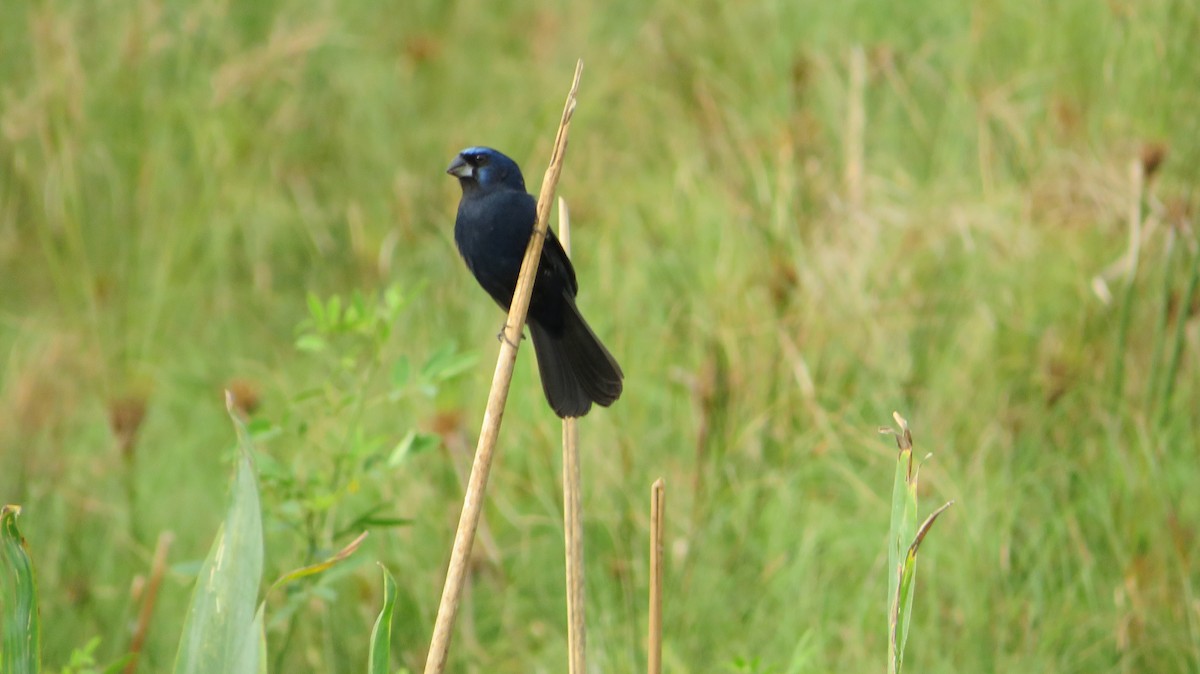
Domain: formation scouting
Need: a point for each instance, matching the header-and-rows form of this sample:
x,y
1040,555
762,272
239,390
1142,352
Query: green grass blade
x,y
320,567
1179,340
908,582
901,513
22,632
901,531
903,528
904,538
219,634
381,634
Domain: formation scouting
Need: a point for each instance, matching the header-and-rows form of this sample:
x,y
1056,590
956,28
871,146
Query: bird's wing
x,y
555,263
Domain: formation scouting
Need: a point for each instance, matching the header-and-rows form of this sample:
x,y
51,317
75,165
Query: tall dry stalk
x,y
573,512
464,537
658,502
158,569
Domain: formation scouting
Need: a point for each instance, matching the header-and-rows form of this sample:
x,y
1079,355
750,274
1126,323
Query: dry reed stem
x,y
158,567
658,496
573,512
464,537
564,226
573,539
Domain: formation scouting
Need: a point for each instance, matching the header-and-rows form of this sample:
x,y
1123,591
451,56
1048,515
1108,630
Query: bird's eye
x,y
481,160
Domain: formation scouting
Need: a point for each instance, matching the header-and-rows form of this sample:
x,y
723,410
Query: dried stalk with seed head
x,y
468,522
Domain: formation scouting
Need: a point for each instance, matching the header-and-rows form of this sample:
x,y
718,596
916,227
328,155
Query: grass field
x,y
790,219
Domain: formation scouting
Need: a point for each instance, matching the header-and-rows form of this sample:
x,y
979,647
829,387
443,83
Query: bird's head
x,y
485,167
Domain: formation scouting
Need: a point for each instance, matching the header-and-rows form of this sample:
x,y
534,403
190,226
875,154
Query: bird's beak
x,y
460,168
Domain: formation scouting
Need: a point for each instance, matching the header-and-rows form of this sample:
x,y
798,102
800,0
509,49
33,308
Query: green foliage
x,y
900,568
176,179
20,650
220,634
83,661
904,538
335,485
224,631
22,646
379,657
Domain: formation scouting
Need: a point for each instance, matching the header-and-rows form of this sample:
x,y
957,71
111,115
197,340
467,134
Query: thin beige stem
x,y
658,502
158,567
468,522
564,226
573,526
573,512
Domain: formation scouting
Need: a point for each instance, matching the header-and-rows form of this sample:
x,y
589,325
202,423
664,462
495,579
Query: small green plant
x,y
904,537
225,631
345,454
20,650
343,436
18,598
381,634
83,661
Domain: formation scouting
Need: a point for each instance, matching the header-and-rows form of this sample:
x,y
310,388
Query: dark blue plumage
x,y
495,220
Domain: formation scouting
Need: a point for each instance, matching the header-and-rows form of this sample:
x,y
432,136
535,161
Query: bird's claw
x,y
502,336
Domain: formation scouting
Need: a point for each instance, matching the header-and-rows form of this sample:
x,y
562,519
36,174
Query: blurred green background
x,y
790,219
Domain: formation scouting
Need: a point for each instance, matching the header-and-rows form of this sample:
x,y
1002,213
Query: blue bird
x,y
495,221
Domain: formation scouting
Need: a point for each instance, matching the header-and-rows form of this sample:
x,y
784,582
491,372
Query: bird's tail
x,y
575,368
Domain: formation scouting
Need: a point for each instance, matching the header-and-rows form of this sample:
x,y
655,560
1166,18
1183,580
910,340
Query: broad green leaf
x,y
18,599
381,633
253,655
220,633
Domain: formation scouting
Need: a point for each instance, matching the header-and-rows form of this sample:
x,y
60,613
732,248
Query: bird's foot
x,y
502,336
